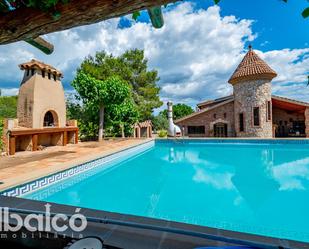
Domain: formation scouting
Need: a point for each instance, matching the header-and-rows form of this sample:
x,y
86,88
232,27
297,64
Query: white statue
x,y
173,130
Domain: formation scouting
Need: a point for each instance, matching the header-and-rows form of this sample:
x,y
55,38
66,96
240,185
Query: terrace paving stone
x,y
28,166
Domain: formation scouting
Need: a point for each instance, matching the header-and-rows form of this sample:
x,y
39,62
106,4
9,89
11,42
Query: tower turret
x,y
251,83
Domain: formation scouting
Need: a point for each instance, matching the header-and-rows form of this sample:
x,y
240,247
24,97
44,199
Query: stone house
x,y
251,111
41,111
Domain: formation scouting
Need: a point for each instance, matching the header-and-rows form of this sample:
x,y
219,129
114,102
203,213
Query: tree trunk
x,y
28,23
122,131
101,123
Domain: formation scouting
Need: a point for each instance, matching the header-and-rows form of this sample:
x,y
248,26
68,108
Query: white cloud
x,y
195,53
216,180
291,65
292,175
9,91
10,57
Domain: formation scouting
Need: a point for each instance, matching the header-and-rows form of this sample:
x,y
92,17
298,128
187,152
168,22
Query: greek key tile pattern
x,y
60,176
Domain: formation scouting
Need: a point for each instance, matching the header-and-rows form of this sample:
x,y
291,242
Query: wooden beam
x,y
65,138
28,23
76,137
42,131
156,17
41,44
35,142
12,146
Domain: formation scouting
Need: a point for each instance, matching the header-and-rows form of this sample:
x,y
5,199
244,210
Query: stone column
x,y
307,121
5,137
9,124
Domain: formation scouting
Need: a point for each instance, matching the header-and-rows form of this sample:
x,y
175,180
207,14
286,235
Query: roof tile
x,y
252,67
40,65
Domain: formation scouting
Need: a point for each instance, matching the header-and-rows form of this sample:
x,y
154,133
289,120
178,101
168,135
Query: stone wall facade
x,y
247,96
25,102
307,121
220,114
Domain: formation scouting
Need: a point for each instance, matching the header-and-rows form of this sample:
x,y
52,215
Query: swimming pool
x,y
252,186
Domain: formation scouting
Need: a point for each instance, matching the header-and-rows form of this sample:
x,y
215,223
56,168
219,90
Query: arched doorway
x,y
50,119
220,130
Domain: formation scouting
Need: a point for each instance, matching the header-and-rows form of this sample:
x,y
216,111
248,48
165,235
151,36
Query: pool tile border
x,y
236,140
48,180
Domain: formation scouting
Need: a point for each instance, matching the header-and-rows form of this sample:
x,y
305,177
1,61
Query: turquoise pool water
x,y
248,187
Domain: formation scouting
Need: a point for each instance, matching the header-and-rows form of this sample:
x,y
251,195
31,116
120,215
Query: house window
x,y
55,77
32,71
28,72
43,73
256,116
196,129
49,76
215,115
268,110
224,115
241,122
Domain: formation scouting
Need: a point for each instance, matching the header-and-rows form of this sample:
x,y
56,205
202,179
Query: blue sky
x,y
278,23
195,52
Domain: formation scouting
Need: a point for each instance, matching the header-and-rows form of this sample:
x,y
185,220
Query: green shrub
x,y
162,133
8,106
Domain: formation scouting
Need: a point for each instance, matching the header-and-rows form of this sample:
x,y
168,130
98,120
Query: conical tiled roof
x,y
252,67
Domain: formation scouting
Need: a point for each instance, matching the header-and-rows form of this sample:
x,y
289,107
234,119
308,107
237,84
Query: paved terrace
x,y
27,166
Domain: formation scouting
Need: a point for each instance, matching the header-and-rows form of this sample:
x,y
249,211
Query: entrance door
x,y
220,130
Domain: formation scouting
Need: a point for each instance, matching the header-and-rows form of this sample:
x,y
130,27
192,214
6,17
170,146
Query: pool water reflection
x,y
255,188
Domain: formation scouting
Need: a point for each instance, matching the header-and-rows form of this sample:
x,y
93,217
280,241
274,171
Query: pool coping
x,y
71,165
129,237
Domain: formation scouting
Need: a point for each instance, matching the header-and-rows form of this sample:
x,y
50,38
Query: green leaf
x,y
285,1
135,15
217,1
305,13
